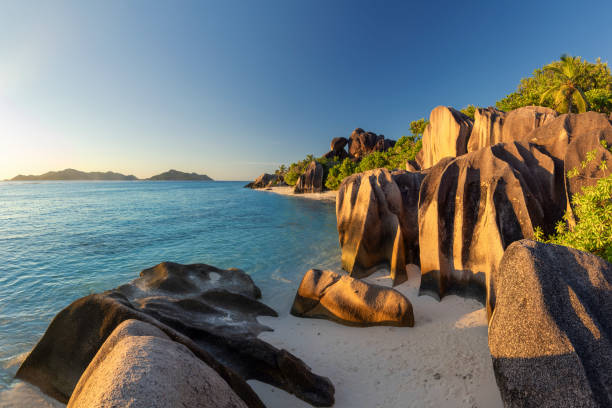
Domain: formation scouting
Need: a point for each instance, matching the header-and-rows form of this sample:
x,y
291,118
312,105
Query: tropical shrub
x,y
593,209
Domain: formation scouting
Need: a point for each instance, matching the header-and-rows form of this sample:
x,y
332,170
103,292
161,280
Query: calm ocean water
x,y
63,240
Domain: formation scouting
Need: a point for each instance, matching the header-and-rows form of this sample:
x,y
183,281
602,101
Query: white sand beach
x,y
443,361
288,191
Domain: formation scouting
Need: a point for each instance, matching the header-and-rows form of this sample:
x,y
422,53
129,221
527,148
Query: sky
x,y
235,88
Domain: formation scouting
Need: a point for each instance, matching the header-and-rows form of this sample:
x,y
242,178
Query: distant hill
x,y
179,175
72,174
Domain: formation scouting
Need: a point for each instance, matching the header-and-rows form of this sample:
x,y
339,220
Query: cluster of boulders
x,y
266,181
359,144
179,335
463,210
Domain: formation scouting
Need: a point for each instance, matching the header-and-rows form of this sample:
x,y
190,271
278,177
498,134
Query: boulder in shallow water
x,y
551,330
140,366
212,311
446,135
312,179
329,295
266,180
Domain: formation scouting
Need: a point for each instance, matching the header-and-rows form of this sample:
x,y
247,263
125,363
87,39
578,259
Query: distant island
x,y
76,175
179,175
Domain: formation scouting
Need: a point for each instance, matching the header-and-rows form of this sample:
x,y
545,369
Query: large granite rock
x,y
213,312
369,211
139,366
311,181
338,143
550,332
362,143
446,135
568,139
487,129
519,123
472,207
266,180
329,295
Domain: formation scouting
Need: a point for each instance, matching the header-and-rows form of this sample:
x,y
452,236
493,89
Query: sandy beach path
x,y
443,361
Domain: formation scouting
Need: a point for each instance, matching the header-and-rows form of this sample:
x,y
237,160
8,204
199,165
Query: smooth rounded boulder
x,y
340,298
551,329
446,135
139,366
266,180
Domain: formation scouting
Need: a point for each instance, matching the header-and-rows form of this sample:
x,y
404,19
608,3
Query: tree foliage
x,y
593,209
593,79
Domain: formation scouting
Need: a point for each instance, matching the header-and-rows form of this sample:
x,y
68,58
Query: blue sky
x,y
235,88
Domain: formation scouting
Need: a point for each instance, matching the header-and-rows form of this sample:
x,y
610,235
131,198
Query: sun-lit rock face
x,y
569,139
487,129
446,135
211,311
362,143
311,181
550,332
168,374
266,180
376,215
519,123
341,298
472,207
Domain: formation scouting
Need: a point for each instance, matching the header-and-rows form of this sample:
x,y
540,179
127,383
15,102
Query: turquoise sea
x,y
63,240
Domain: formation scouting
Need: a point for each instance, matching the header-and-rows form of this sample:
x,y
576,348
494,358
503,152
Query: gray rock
x,y
266,180
138,366
212,311
551,328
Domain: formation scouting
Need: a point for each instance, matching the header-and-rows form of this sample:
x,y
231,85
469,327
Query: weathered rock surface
x,y
376,213
487,129
140,366
362,143
266,180
446,135
472,207
329,295
550,332
519,123
568,139
311,181
212,311
338,143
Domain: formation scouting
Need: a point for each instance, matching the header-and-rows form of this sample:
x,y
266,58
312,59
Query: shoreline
x,y
328,195
443,361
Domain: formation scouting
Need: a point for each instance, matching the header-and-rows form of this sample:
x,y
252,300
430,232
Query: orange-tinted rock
x,y
362,143
311,181
519,123
446,135
338,143
368,211
329,295
487,129
472,207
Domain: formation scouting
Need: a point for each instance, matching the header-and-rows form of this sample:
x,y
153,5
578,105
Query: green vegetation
x,y
469,111
593,209
334,170
569,85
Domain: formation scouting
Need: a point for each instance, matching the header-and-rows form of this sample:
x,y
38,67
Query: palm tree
x,y
567,74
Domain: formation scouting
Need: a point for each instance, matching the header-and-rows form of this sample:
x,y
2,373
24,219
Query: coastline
x,y
443,361
329,195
